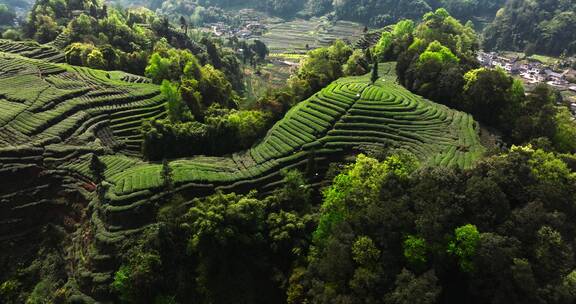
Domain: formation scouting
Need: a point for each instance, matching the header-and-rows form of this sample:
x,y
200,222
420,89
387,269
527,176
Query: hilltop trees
x,y
356,65
492,96
391,43
433,56
324,65
170,64
201,109
436,60
177,110
198,86
125,37
46,29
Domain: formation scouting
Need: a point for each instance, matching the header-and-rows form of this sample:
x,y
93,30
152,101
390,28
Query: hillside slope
x,y
348,113
54,117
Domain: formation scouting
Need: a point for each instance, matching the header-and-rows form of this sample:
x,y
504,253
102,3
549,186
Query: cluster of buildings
x,y
530,72
247,30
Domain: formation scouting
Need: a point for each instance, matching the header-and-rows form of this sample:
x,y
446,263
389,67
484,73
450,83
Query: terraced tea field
x,y
32,50
317,32
54,117
348,113
58,115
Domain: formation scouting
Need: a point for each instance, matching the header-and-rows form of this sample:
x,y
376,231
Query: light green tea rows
x,y
56,116
43,103
348,113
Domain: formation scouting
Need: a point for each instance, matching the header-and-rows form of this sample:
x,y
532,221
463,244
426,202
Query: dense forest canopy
x,y
372,13
547,27
535,26
386,232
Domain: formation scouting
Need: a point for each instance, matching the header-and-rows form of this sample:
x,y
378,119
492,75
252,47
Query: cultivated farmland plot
x,y
317,32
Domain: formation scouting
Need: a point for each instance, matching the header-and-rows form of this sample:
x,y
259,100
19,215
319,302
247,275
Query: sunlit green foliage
x,y
324,65
250,125
415,250
356,65
565,137
383,45
502,197
177,110
215,87
546,167
169,64
464,246
390,43
439,53
359,184
440,26
433,59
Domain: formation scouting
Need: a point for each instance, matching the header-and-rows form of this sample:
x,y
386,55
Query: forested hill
x,y
374,13
547,27
380,12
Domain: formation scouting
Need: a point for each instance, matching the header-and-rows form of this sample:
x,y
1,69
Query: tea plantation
x,y
348,113
54,117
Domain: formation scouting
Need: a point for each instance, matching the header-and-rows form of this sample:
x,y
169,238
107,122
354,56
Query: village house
x,y
532,72
556,79
244,34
